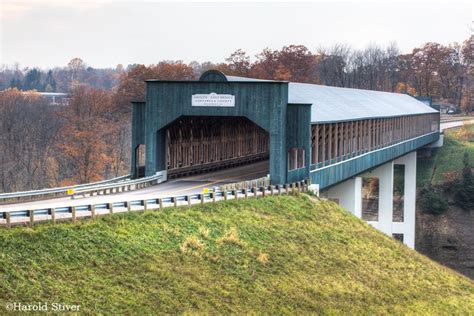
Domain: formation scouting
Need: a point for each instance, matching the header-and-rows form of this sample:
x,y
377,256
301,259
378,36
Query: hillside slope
x,y
274,255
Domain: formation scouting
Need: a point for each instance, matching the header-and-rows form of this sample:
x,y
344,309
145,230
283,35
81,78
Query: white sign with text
x,y
213,99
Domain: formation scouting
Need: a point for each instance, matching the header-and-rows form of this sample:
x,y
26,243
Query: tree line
x,y
46,145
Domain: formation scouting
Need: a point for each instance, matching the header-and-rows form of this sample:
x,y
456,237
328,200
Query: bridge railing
x,y
115,185
73,212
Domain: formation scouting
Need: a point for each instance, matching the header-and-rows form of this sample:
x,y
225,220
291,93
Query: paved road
x,y
447,125
181,186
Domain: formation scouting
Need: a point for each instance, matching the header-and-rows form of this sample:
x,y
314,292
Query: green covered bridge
x,y
304,131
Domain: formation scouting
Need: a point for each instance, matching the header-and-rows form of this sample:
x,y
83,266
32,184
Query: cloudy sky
x,y
103,33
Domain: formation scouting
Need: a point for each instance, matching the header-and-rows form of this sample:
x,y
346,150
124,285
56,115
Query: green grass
x,y
274,255
446,159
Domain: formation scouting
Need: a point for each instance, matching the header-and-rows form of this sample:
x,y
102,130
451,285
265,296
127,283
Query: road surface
x,y
176,187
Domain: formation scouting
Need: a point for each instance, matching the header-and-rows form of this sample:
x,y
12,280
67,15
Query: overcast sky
x,y
103,33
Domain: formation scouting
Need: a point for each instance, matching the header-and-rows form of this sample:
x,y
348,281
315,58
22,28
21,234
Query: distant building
x,y
54,98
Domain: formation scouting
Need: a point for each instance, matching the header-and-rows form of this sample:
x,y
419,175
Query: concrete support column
x,y
407,227
385,175
349,195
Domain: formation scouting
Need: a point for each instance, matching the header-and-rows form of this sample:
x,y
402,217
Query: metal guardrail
x,y
119,184
66,213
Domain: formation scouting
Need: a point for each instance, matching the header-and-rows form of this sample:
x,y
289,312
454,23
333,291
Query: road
x,y
448,125
181,186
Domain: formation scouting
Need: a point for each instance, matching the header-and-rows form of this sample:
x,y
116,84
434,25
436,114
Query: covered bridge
x,y
326,134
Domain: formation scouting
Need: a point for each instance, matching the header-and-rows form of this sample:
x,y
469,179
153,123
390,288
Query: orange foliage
x,y
82,138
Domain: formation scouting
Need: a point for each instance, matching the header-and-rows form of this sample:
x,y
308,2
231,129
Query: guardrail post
x,y
52,213
32,217
287,188
279,189
271,189
225,195
160,202
129,187
145,205
263,191
201,198
8,219
73,214
188,197
254,192
213,196
110,206
92,209
175,201
235,193
245,193
128,205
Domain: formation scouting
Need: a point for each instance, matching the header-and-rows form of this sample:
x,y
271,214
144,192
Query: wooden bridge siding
x,y
298,133
333,174
362,136
138,132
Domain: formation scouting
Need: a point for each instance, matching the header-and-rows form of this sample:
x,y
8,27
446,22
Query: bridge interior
x,y
201,144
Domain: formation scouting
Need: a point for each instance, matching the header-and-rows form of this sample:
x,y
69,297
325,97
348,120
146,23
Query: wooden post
x,y
73,214
201,197
279,189
225,195
52,212
188,197
160,202
110,206
175,201
129,206
263,191
255,192
145,205
246,193
8,219
271,189
92,209
235,194
287,188
32,217
213,195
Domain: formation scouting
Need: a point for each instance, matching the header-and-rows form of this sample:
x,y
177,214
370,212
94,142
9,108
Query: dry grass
x,y
263,258
231,237
192,245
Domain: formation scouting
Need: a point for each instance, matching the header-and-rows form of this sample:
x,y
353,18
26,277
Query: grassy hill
x,y
448,159
274,255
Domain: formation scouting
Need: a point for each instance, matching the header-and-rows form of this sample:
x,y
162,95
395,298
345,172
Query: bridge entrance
x,y
196,144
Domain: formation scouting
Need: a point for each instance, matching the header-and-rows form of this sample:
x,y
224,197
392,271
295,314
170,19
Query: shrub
x,y
432,201
465,187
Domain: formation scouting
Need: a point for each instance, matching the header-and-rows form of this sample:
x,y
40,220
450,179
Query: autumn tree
x,y
83,136
28,126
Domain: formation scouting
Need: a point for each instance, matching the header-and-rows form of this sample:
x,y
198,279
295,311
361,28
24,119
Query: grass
x,y
281,255
447,160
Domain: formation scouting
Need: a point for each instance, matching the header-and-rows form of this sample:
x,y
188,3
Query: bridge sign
x,y
213,99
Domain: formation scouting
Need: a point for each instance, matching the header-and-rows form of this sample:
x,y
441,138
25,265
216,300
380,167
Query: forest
x,y
47,145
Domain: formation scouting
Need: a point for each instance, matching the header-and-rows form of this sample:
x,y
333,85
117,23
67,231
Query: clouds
x,y
105,33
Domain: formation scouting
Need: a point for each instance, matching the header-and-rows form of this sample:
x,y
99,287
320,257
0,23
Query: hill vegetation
x,y
289,254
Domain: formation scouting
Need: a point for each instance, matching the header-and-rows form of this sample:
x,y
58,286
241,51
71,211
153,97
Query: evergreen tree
x,y
33,80
49,82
